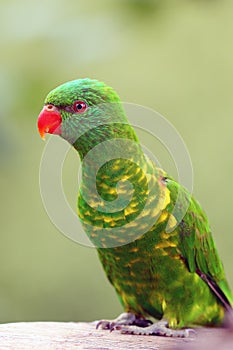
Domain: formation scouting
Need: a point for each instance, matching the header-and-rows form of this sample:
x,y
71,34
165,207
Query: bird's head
x,y
77,106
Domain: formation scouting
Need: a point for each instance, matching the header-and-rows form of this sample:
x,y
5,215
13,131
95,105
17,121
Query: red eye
x,y
80,106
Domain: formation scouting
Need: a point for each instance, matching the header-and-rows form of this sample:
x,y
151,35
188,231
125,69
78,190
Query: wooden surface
x,y
69,335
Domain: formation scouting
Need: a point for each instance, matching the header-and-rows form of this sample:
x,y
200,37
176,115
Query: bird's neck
x,y
105,135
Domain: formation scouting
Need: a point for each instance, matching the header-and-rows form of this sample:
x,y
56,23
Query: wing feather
x,y
197,245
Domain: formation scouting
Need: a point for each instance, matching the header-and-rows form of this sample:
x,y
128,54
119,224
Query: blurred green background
x,y
171,55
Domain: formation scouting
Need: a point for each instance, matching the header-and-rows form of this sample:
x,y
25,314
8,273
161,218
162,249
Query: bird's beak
x,y
49,121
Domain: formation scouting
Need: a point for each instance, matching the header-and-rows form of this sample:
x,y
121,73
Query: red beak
x,y
49,121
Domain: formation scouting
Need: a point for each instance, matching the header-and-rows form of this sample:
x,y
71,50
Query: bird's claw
x,y
158,329
125,319
105,324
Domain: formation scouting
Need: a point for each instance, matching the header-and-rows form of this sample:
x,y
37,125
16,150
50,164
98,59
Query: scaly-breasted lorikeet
x,y
174,275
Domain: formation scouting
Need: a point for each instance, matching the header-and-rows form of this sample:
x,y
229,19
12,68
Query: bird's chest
x,y
118,208
110,215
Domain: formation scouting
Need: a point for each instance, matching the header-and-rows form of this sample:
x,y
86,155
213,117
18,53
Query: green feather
x,y
176,275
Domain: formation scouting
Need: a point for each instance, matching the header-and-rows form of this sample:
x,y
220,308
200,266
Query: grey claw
x,y
112,327
98,324
103,324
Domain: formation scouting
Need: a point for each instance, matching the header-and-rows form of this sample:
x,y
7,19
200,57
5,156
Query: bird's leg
x,y
124,319
159,328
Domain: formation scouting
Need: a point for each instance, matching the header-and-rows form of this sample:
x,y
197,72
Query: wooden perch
x,y
70,335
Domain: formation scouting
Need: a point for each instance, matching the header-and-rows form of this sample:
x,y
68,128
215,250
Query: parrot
x,y
162,262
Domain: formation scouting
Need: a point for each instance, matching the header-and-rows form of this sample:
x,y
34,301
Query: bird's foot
x,y
158,328
125,319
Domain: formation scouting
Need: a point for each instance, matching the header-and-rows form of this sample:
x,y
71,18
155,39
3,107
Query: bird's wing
x,y
197,245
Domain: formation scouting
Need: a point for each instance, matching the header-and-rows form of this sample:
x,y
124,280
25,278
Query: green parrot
x,y
163,265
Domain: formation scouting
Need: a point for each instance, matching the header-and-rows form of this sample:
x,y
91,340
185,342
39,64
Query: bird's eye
x,y
80,106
